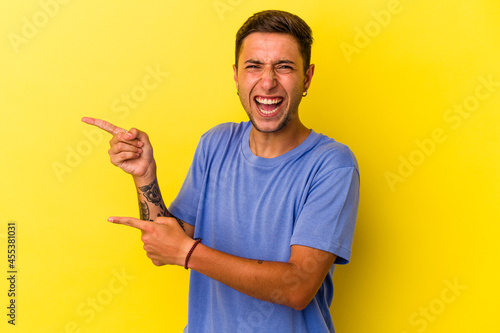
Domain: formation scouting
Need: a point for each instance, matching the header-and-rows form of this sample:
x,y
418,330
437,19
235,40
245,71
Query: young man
x,y
274,203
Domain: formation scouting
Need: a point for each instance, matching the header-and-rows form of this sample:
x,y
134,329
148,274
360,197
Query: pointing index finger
x,y
104,125
130,221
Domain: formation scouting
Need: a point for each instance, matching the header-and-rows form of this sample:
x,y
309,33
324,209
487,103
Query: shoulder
x,y
222,137
332,154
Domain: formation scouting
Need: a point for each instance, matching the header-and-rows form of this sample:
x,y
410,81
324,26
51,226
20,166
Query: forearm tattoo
x,y
152,194
144,210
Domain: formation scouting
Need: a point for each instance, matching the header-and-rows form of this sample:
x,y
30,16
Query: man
x,y
273,202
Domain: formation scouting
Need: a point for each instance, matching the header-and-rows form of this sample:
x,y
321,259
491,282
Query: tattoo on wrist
x,y
152,194
144,210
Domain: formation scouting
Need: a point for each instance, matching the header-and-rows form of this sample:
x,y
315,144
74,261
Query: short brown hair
x,y
278,21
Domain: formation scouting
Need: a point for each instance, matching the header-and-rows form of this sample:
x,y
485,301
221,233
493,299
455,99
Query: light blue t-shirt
x,y
257,208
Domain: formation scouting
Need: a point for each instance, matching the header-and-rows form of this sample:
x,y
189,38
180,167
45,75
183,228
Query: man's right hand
x,y
129,150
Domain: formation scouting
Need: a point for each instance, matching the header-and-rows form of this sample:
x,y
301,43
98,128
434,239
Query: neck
x,y
270,145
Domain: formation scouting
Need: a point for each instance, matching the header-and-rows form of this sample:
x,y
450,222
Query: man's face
x,y
270,80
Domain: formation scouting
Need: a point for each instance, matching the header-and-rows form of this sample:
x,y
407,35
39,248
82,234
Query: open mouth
x,y
268,105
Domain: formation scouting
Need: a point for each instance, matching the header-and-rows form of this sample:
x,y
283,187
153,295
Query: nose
x,y
268,80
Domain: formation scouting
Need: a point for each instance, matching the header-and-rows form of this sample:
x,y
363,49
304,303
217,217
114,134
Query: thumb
x,y
130,135
162,220
134,133
166,220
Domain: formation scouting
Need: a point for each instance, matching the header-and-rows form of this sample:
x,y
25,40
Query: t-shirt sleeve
x,y
328,217
185,205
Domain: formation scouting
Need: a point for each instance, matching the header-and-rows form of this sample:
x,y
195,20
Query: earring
x,y
304,95
237,92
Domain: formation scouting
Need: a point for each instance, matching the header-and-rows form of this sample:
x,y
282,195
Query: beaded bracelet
x,y
198,241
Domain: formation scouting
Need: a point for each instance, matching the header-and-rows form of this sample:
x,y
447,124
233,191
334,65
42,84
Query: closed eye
x,y
252,68
283,69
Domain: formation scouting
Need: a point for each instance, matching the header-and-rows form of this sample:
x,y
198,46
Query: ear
x,y
309,76
235,76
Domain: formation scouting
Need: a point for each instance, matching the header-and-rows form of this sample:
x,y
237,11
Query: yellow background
x,y
425,254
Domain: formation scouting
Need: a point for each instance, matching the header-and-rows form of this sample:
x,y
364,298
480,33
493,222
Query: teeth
x,y
268,112
268,101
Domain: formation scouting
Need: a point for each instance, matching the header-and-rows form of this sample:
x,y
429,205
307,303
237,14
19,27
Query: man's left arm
x,y
293,283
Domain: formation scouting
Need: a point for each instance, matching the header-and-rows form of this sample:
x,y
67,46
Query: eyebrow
x,y
279,62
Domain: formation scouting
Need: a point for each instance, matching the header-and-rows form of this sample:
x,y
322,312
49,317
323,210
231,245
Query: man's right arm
x,y
151,204
133,153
